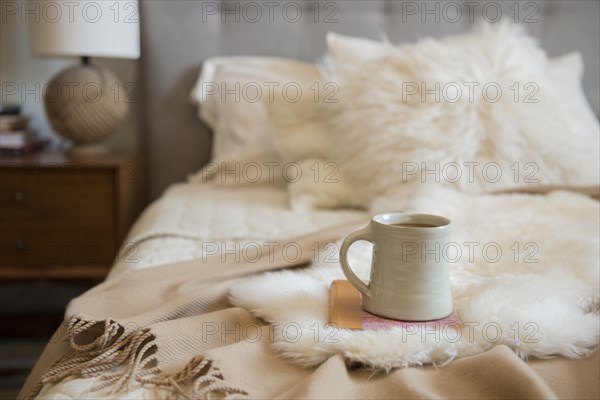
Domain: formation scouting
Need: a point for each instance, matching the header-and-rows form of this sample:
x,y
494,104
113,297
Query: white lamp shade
x,y
86,28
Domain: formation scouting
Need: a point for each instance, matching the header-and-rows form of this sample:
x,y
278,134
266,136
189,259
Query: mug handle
x,y
362,234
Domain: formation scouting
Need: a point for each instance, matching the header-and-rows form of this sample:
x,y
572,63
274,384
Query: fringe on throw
x,y
110,345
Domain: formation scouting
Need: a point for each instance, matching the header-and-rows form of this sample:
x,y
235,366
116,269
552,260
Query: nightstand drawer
x,y
64,217
57,242
56,192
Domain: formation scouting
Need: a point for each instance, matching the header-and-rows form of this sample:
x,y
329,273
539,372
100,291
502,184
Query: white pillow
x,y
319,186
300,129
231,94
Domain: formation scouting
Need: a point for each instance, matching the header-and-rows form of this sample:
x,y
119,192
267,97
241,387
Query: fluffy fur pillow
x,y
390,132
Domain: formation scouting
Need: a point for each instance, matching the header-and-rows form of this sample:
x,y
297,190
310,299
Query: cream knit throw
x,y
146,326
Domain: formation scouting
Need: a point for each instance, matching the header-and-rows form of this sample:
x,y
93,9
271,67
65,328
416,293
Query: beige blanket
x,y
171,328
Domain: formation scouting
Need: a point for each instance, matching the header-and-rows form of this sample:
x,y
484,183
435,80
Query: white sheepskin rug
x,y
539,296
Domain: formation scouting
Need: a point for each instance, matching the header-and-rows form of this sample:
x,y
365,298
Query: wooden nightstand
x,y
65,218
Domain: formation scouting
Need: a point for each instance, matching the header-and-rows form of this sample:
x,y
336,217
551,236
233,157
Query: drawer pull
x,y
19,196
21,245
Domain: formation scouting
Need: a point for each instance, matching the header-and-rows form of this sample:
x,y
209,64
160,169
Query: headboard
x,y
177,35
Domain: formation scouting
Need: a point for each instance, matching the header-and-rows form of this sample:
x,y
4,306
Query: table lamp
x,y
86,103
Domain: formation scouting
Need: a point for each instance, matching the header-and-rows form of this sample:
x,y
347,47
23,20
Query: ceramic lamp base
x,y
85,103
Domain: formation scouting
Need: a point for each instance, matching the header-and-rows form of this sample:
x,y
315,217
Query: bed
x,y
220,289
255,369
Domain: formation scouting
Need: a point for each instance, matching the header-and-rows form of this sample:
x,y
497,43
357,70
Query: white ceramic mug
x,y
409,274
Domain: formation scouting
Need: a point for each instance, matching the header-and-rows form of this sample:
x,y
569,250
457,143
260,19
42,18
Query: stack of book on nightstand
x,y
16,139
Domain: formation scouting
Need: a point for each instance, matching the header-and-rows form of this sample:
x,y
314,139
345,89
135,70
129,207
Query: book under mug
x,y
345,311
